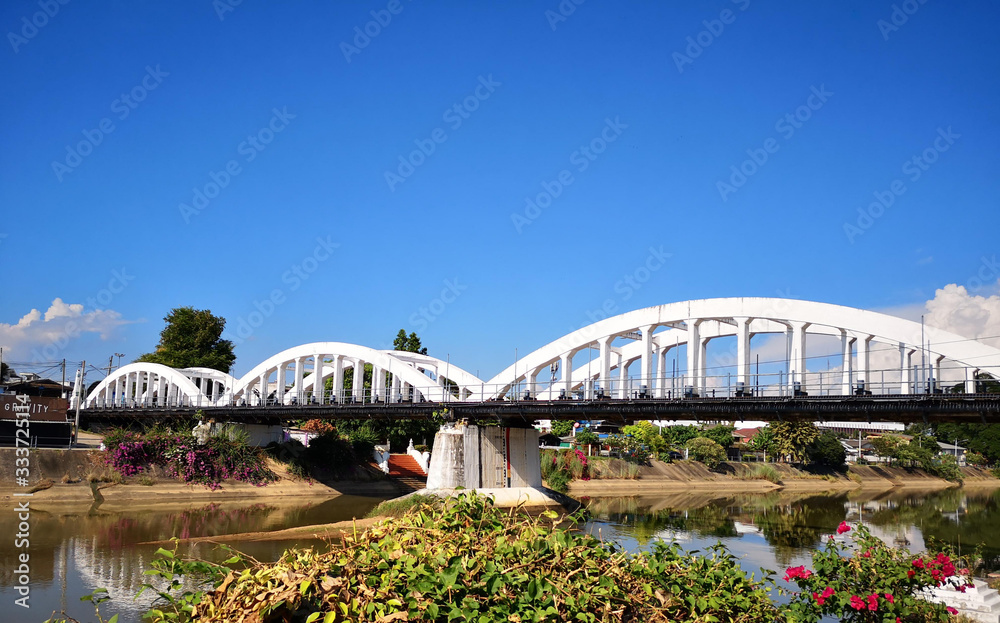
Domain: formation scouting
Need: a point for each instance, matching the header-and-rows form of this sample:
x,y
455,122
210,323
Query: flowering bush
x,y
870,582
182,457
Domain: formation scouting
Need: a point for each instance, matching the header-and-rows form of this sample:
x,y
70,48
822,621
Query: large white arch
x,y
146,384
655,330
334,358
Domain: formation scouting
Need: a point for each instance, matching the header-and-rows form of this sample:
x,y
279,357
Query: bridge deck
x,y
977,408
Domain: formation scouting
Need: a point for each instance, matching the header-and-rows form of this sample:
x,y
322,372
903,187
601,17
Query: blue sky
x,y
293,127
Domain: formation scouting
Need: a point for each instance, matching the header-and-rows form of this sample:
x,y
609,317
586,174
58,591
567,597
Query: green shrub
x,y
707,451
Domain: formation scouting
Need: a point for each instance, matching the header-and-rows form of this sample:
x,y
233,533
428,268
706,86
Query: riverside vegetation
x,y
462,559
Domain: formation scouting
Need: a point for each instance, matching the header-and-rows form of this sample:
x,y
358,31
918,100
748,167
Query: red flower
x,y
797,572
857,603
951,610
918,563
873,602
827,592
843,527
888,597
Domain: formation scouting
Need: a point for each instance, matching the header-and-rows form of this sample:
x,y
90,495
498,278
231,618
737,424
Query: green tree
x,y
827,450
792,439
707,451
763,441
721,434
887,447
561,428
587,438
193,338
981,438
680,435
410,343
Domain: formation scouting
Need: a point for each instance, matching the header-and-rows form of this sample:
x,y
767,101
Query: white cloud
x,y
954,309
41,336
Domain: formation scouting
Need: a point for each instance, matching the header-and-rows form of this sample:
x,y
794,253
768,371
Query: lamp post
x,y
119,355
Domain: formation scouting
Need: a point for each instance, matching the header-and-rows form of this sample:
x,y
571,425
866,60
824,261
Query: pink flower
x,y
888,597
873,602
797,572
951,610
843,527
857,603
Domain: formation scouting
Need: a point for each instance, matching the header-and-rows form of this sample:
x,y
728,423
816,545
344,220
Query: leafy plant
x,y
871,582
707,451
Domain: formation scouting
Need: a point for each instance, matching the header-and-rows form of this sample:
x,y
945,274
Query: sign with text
x,y
42,409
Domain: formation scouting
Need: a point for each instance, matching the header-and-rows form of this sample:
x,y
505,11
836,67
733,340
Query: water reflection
x,y
794,524
74,550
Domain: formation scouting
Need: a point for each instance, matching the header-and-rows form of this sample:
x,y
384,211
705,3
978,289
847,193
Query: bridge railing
x,y
764,385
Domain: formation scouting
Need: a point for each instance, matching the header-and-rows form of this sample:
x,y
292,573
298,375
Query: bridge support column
x,y
743,351
970,380
864,362
490,457
530,382
646,363
279,390
703,365
358,384
318,384
905,360
378,383
622,377
338,380
847,343
604,380
566,376
397,388
797,362
262,389
300,372
693,352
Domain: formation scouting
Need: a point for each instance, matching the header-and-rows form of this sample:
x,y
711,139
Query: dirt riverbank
x,y
733,477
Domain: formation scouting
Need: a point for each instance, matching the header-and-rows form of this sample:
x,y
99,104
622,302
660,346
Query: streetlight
x,y
119,355
957,441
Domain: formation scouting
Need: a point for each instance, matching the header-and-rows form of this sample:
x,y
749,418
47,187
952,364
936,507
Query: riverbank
x,y
67,477
736,477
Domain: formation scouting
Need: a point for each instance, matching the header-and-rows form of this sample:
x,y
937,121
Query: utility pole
x,y
79,399
111,360
62,393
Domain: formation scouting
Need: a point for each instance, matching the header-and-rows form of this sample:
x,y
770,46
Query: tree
x,y
587,438
792,439
561,428
981,438
985,384
680,435
707,451
887,447
827,450
721,434
410,343
193,338
763,441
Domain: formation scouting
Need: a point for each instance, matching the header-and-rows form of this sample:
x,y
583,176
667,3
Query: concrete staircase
x,y
980,603
406,472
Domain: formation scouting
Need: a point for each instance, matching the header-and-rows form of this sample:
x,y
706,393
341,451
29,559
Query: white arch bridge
x,y
663,352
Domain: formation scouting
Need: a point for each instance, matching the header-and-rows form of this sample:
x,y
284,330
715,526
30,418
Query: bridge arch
x,y
332,359
146,384
656,330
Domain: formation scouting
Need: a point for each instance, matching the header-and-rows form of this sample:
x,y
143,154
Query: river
x,y
74,551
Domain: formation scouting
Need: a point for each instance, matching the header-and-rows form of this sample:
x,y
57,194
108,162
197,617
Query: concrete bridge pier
x,y
474,457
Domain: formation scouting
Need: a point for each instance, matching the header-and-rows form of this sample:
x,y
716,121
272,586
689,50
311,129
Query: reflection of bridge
x,y
631,359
